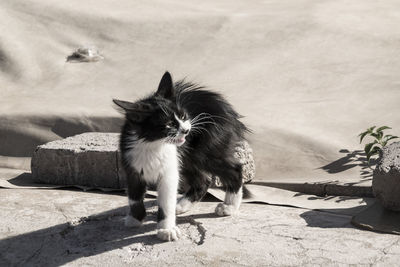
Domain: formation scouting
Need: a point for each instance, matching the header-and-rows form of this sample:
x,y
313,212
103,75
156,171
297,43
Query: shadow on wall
x,y
351,159
20,135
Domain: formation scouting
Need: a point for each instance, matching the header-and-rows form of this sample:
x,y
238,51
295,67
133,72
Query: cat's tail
x,y
246,193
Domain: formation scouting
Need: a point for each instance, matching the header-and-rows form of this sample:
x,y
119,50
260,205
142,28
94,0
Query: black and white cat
x,y
180,132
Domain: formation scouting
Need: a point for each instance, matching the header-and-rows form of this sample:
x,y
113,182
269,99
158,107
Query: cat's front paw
x,y
171,234
183,205
223,209
132,222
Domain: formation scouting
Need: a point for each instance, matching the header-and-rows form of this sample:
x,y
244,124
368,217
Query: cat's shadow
x,y
88,236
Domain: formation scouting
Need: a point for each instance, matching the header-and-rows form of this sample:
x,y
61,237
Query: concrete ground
x,y
40,227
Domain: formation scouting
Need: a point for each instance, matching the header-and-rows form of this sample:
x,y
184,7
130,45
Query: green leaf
x,y
368,147
392,137
373,152
387,139
380,129
371,129
381,140
380,135
376,135
362,135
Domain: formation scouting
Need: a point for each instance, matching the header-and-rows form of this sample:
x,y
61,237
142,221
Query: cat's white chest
x,y
154,159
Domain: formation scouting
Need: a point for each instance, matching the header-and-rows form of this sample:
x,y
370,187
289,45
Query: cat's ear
x,y
166,86
136,112
125,105
140,107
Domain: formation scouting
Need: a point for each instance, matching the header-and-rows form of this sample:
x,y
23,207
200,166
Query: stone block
x,y
386,177
89,159
244,154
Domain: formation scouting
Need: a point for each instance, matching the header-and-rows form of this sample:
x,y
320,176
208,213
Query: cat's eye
x,y
168,125
180,116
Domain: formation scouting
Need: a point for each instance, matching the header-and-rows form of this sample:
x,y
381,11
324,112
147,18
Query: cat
x,y
182,131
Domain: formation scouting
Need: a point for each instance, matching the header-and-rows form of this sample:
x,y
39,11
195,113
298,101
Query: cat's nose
x,y
185,131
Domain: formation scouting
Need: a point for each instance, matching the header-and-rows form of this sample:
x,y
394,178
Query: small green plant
x,y
380,140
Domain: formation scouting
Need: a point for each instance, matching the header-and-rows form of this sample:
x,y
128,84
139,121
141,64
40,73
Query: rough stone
x,y
93,160
88,159
244,154
386,178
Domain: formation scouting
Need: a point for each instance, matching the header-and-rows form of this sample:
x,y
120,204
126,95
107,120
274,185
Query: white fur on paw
x,y
223,209
183,205
132,222
171,234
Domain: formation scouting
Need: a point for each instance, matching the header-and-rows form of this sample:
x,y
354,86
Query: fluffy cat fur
x,y
181,131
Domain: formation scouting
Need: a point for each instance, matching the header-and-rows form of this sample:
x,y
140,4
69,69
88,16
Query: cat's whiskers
x,y
198,116
201,120
201,114
214,116
204,117
198,126
205,122
199,129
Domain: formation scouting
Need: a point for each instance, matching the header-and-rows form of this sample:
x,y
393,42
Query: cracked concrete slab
x,y
74,228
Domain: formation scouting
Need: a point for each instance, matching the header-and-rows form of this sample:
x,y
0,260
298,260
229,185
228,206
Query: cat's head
x,y
158,117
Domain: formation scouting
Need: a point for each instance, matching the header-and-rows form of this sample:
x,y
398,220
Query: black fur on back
x,y
210,149
210,145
